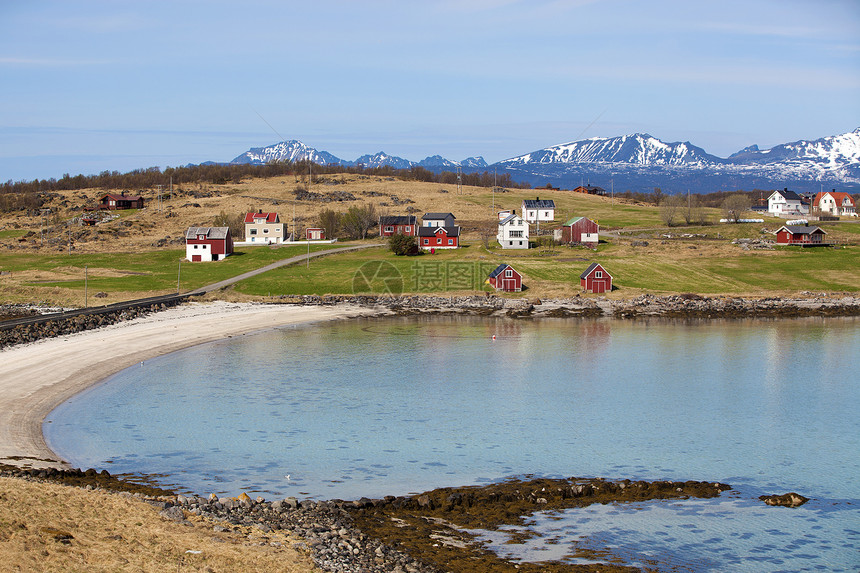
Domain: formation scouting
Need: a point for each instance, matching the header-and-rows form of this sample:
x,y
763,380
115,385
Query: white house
x,y
513,232
438,220
786,203
263,228
835,203
538,210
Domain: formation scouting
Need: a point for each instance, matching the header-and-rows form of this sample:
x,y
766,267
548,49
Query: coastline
x,y
36,377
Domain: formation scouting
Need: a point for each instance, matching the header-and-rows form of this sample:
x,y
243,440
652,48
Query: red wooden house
x,y
315,234
438,237
595,279
800,235
505,278
398,225
590,190
208,243
580,231
114,202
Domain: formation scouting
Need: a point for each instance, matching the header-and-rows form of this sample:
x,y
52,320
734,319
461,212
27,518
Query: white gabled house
x,y
263,228
786,203
513,232
538,210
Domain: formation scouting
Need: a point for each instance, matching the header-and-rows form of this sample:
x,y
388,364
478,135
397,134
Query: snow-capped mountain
x,y
382,159
642,161
292,150
636,162
637,149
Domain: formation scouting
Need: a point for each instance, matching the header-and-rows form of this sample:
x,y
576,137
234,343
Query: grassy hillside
x,y
46,258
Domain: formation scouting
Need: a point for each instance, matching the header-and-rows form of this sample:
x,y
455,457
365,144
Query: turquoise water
x,y
379,407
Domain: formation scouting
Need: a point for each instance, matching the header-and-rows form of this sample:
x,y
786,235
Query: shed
x,y
506,278
315,234
595,279
580,231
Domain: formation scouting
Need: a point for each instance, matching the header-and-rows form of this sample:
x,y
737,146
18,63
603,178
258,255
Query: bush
x,y
403,245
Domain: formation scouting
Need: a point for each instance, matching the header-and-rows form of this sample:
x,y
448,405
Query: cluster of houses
x,y
514,230
787,203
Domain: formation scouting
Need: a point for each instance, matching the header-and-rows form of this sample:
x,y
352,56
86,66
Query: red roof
x,y
255,217
837,195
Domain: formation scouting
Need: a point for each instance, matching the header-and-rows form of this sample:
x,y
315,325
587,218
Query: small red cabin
x,y
800,235
315,234
505,278
398,225
595,279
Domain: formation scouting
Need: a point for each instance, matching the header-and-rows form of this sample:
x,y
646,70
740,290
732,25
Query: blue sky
x,y
89,86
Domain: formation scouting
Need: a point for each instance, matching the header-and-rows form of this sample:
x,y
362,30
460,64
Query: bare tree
x,y
236,223
734,206
693,211
330,221
357,221
670,206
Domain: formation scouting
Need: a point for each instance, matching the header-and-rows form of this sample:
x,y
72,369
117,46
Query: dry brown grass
x,y
49,527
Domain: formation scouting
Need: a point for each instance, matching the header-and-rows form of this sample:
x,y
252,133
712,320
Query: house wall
x,y
439,242
506,234
264,232
389,230
594,284
574,233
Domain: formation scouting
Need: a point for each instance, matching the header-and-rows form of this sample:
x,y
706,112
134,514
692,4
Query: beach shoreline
x,y
37,377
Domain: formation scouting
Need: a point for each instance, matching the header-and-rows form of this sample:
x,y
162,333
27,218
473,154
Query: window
x,y
389,229
598,274
426,241
509,273
450,241
516,234
253,231
407,229
266,230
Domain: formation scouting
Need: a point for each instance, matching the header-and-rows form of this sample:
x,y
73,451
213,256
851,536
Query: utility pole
x,y
178,274
86,293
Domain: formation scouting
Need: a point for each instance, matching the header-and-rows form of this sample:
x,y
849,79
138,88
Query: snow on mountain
x,y
291,150
382,159
438,162
638,149
476,163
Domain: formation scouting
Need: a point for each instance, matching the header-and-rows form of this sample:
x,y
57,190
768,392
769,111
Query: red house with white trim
x,y
315,234
208,243
398,225
595,279
800,235
505,278
438,237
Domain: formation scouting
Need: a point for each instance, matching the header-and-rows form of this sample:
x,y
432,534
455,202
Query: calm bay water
x,y
378,407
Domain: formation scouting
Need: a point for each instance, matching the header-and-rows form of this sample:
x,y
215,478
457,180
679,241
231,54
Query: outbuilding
x,y
208,243
580,231
506,278
595,279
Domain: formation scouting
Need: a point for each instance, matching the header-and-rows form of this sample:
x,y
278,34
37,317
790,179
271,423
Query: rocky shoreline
x,y
422,533
684,306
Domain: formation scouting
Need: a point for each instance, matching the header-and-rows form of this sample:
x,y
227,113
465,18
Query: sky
x,y
90,86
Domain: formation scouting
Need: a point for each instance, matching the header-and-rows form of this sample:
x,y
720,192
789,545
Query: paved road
x,y
284,262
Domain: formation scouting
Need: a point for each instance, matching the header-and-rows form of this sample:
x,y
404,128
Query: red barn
x,y
580,231
438,237
505,278
398,225
121,201
800,235
595,279
208,243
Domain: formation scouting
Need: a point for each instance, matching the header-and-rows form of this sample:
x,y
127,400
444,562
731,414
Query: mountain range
x,y
637,162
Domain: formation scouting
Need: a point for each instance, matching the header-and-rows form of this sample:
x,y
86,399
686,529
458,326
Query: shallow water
x,y
378,407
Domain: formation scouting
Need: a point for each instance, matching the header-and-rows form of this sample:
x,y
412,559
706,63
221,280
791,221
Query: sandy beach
x,y
37,377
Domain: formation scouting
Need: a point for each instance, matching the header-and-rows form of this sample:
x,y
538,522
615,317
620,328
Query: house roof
x,y
116,197
255,217
498,270
510,217
591,267
210,232
788,195
839,196
438,216
432,231
575,220
398,220
538,204
801,229
592,188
